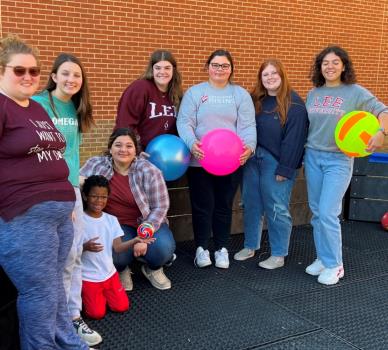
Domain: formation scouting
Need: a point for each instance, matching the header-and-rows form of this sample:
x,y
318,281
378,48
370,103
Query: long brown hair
x,y
175,91
283,96
81,99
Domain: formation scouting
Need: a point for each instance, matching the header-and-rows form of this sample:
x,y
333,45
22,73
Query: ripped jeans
x,y
263,195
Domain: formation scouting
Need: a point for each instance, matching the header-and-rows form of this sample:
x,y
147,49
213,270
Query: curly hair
x,y
93,181
348,76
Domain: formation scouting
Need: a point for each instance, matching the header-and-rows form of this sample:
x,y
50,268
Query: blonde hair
x,y
12,45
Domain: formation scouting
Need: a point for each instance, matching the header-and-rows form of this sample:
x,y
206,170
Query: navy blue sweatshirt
x,y
286,143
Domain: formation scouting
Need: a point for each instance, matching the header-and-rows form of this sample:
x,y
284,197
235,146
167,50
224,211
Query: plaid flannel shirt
x,y
145,181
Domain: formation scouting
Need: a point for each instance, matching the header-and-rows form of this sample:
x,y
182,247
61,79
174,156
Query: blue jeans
x,y
158,253
328,175
33,251
263,195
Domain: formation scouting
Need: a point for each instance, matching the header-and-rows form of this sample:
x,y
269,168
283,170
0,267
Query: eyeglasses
x,y
21,71
93,196
224,66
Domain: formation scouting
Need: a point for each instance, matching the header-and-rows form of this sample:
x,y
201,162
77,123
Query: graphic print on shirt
x,y
46,134
327,105
163,111
65,121
224,100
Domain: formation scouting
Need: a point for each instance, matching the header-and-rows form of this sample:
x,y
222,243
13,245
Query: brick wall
x,y
114,40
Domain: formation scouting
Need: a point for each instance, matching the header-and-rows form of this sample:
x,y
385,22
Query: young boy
x,y
100,281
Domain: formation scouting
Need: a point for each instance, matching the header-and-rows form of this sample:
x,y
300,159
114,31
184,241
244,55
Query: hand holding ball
x,y
222,150
353,132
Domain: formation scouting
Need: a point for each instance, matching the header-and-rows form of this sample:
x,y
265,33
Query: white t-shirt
x,y
98,267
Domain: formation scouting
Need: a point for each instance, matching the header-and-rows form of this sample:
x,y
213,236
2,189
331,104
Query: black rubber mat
x,y
365,237
356,312
246,307
318,340
207,314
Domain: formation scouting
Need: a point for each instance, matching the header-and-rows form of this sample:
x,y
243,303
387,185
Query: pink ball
x,y
222,148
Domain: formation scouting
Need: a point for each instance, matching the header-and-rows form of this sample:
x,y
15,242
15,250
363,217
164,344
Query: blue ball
x,y
170,154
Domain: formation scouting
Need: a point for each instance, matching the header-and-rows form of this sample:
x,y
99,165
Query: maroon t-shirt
x,y
147,110
121,202
32,168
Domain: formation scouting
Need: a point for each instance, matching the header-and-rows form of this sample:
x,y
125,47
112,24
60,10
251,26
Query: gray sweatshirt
x,y
205,108
326,105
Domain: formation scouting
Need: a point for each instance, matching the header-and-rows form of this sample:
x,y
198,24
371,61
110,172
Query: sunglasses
x,y
21,71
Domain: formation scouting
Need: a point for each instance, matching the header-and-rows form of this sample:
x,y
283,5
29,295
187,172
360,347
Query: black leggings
x,y
211,199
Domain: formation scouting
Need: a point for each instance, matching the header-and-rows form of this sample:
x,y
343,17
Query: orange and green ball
x,y
354,131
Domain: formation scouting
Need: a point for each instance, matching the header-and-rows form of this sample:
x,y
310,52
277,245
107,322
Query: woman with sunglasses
x,y
269,176
36,204
150,104
66,100
329,171
217,103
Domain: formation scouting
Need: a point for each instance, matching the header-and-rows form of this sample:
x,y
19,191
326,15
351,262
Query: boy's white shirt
x,y
98,267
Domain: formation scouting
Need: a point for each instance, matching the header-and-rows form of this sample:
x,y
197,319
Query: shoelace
x,y
85,328
203,255
222,255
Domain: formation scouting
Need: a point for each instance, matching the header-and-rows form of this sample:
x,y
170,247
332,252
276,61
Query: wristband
x,y
385,133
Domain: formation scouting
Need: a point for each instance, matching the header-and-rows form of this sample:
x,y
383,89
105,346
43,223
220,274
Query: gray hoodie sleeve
x,y
368,102
246,122
187,119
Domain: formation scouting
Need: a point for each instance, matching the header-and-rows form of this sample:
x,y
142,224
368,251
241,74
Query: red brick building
x,y
114,40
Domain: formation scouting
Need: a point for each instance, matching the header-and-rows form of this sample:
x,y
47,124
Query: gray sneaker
x,y
157,277
244,254
89,336
273,262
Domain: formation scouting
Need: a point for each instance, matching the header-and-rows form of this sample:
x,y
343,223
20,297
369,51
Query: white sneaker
x,y
273,262
315,268
244,254
157,277
89,336
331,276
222,258
126,279
202,258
